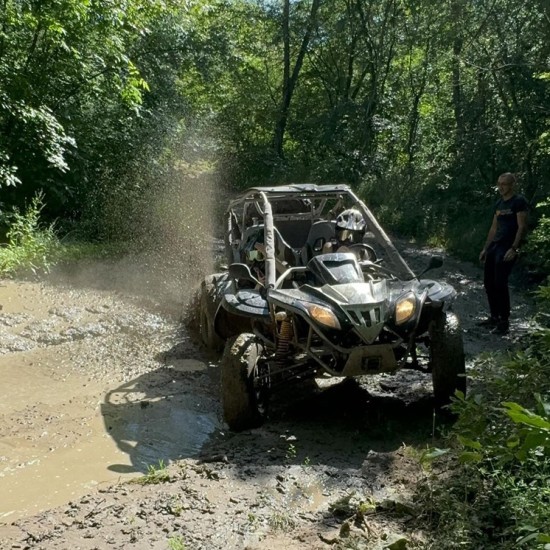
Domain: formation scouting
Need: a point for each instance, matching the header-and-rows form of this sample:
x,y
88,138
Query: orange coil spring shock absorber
x,y
283,344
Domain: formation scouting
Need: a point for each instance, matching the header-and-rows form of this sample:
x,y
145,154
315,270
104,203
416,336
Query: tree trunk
x,y
456,14
290,79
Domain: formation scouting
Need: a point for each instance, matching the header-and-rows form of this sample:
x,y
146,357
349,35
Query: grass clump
x,y
282,521
176,542
155,474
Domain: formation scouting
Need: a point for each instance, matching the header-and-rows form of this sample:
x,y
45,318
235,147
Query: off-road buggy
x,y
284,310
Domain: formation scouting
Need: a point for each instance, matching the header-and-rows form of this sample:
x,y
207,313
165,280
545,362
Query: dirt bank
x,y
101,386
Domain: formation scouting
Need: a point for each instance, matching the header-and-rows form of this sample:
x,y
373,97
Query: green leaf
x,y
431,454
469,456
521,415
460,395
543,406
532,441
527,538
469,442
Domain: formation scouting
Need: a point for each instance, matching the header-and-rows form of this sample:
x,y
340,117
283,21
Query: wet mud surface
x,y
102,388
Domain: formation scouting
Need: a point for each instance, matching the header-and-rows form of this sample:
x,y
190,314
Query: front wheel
x,y
446,357
245,383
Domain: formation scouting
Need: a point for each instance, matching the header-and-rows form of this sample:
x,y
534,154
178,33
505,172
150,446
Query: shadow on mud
x,y
351,406
175,412
334,427
160,416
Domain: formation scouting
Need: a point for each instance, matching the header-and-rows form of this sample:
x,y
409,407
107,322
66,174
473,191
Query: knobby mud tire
x,y
242,408
447,358
207,312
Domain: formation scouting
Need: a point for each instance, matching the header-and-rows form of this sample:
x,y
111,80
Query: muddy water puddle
x,y
60,438
81,411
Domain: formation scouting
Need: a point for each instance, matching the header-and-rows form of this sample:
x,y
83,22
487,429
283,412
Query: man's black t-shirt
x,y
507,222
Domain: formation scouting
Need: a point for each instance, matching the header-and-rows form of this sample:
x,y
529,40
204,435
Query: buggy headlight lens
x,y
404,309
323,315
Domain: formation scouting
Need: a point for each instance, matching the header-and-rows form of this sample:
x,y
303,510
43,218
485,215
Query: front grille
x,y
364,317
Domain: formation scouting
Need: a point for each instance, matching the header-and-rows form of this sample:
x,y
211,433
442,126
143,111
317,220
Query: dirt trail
x,y
98,386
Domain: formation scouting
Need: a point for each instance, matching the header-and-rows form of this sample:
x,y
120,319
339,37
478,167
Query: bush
x,y
34,247
497,494
538,244
31,246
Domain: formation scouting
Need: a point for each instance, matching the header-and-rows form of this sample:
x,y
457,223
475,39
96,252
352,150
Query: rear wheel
x,y
245,383
207,311
446,357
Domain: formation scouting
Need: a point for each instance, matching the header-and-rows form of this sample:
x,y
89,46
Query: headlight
x,y
323,315
404,309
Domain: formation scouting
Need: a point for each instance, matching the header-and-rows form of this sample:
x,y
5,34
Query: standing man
x,y
501,251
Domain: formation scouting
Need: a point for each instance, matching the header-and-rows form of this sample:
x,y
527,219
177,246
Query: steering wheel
x,y
364,252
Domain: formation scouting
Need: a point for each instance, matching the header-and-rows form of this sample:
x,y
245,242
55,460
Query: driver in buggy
x,y
254,254
350,230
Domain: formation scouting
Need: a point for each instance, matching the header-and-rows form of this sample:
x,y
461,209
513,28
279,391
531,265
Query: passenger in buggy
x,y
350,229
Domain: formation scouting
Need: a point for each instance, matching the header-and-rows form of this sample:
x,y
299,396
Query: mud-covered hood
x,y
357,293
364,307
345,294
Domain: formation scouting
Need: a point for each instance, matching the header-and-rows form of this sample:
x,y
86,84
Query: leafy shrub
x,y
493,489
30,246
33,246
538,244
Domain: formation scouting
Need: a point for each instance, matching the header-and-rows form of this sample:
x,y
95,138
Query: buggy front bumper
x,y
370,360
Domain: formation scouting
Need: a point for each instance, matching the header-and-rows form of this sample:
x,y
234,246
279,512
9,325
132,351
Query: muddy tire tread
x,y
206,316
447,357
240,409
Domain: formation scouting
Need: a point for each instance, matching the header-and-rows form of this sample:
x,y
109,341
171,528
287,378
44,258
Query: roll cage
x,y
301,218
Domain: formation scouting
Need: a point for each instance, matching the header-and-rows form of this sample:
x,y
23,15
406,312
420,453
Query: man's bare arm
x,y
522,229
490,237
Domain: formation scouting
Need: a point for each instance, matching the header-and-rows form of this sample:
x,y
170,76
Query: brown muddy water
x,y
90,394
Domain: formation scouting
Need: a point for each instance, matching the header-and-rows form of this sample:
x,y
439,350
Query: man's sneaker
x,y
502,328
489,322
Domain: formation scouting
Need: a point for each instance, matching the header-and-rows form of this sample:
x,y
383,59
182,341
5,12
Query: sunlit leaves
x,y
8,172
65,66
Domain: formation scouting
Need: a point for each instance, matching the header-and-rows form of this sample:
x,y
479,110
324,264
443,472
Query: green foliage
x,y
496,489
156,473
418,105
538,245
532,433
176,542
31,246
291,452
72,100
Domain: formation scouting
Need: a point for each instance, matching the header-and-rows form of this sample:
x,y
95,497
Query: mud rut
x,y
99,385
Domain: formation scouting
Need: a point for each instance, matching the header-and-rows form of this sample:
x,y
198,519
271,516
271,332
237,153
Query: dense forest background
x,y
418,105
